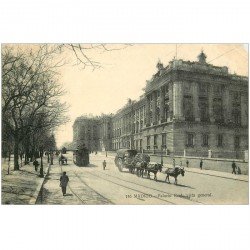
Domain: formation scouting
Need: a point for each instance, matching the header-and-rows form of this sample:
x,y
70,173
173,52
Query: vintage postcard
x,y
103,124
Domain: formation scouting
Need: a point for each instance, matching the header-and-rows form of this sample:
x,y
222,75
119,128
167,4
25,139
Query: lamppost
x,y
162,147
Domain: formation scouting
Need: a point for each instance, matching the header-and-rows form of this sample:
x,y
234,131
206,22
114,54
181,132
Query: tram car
x,y
81,156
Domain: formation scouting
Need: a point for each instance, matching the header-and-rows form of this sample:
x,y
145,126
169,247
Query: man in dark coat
x,y
104,164
234,168
201,163
187,162
35,164
64,179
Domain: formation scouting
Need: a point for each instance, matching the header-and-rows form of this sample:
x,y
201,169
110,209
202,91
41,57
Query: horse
x,y
140,162
140,167
153,167
174,172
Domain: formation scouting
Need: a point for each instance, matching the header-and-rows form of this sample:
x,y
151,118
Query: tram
x,y
81,156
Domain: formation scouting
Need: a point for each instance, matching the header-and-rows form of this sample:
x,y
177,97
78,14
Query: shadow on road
x,y
179,185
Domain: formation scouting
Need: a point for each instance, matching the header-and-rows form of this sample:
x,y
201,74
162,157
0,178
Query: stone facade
x,y
188,108
191,108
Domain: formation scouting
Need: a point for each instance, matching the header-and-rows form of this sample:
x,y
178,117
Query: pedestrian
x,y
233,167
201,163
64,179
174,162
35,164
104,164
180,163
187,162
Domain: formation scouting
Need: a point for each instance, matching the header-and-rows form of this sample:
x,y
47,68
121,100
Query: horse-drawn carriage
x,y
140,164
124,159
63,160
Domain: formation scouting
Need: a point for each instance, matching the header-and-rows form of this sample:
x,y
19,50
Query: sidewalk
x,y
23,186
225,175
215,173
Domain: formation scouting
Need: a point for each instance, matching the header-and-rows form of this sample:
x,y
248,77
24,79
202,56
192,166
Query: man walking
x,y
201,164
187,162
104,164
35,164
234,168
64,179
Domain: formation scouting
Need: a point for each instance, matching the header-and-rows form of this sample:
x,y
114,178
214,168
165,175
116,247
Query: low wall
x,y
223,165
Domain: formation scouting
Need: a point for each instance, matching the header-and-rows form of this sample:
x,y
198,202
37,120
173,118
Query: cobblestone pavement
x,y
78,192
93,185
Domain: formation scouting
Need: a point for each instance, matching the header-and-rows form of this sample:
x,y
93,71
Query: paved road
x,y
93,185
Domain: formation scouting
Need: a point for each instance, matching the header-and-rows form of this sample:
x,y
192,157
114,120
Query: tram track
x,y
72,191
88,187
139,191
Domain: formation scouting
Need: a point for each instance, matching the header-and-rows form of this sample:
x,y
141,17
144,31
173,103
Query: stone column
x,y
154,94
244,109
162,104
170,91
196,101
226,105
147,111
178,100
210,103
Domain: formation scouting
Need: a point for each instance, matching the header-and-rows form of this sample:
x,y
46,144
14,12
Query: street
x,y
93,185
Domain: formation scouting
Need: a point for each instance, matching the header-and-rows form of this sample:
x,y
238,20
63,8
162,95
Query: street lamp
x,y
162,154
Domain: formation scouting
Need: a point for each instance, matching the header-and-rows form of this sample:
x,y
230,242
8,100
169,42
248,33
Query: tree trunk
x,y
9,161
16,147
41,168
48,156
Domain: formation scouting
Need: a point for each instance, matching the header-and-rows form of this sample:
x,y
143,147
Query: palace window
x,y
236,117
166,112
220,140
190,139
188,108
148,142
157,115
164,141
203,105
155,141
205,140
237,142
217,106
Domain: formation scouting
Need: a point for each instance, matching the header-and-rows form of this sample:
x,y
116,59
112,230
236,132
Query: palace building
x,y
188,108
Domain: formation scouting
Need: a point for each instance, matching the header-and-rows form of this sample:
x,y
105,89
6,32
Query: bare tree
x,y
31,89
30,93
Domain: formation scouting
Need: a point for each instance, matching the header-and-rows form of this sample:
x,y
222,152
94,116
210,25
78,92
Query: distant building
x,y
188,108
93,131
86,131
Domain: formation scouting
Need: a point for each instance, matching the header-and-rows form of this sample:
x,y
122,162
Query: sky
x,y
124,73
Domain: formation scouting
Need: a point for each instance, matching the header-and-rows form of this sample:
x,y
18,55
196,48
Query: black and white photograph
x,y
124,125
138,124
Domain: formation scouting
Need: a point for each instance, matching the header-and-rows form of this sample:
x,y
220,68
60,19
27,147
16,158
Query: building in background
x,y
188,108
86,132
93,131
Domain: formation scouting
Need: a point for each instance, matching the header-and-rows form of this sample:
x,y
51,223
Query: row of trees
x,y
31,100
